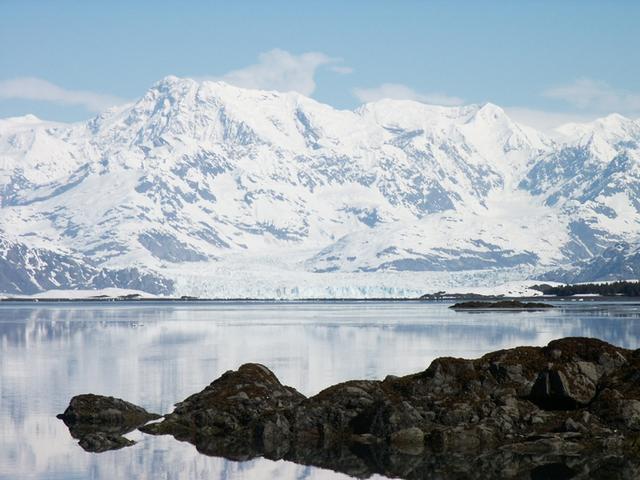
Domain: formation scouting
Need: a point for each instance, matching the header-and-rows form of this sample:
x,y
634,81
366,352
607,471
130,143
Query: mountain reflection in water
x,y
157,354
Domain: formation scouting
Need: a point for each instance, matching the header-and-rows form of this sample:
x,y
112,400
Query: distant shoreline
x,y
443,299
614,291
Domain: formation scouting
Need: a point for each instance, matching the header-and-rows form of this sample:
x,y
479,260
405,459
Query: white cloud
x,y
398,91
545,121
283,71
588,94
31,88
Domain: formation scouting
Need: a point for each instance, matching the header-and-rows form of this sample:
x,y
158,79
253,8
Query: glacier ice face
x,y
200,176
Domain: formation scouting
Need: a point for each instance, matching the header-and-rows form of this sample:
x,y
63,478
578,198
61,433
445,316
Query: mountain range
x,y
203,188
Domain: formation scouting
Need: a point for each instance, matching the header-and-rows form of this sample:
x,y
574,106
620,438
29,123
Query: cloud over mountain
x,y
398,91
284,71
32,88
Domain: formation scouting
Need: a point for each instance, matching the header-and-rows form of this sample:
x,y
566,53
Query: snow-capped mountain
x,y
197,181
31,270
620,261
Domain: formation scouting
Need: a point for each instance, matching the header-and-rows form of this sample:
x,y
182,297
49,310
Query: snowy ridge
x,y
195,178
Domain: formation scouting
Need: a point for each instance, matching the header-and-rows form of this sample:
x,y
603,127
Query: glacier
x,y
206,189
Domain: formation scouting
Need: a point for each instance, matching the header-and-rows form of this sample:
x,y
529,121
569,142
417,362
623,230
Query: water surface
x,y
155,354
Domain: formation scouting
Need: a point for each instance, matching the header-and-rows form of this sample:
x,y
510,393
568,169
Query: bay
x,y
154,354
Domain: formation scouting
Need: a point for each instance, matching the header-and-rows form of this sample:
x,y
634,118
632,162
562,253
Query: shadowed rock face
x,y
567,410
100,422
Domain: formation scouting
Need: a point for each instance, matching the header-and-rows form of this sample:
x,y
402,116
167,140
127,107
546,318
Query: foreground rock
x,y
567,410
100,422
237,412
501,305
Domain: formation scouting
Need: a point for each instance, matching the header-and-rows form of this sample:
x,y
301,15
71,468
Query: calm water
x,y
157,354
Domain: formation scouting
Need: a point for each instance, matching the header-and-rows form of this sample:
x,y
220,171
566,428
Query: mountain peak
x,y
173,80
172,86
612,128
202,171
22,120
490,112
491,108
616,121
617,117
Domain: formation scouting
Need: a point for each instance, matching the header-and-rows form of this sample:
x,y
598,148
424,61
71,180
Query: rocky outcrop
x,y
239,412
500,305
570,409
100,422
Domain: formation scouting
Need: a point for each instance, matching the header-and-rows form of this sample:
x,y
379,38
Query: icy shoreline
x,y
332,292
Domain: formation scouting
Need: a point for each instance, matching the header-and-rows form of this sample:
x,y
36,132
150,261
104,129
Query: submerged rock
x,y
100,422
572,406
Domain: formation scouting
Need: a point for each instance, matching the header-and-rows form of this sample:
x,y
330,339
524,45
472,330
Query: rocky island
x,y
100,422
570,409
500,305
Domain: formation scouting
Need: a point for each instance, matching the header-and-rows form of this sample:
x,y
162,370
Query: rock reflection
x,y
497,416
49,353
365,461
100,423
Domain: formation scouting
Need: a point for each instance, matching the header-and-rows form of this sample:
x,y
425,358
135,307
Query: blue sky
x,y
545,62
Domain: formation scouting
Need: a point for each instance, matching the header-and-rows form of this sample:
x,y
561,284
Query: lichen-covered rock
x,y
100,410
514,413
100,422
408,440
241,408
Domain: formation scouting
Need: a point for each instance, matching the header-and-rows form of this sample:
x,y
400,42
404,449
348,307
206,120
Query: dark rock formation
x,y
237,411
567,410
100,422
502,304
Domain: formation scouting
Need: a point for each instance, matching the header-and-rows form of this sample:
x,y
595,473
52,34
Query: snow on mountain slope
x,y
593,180
620,261
195,176
613,129
31,270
